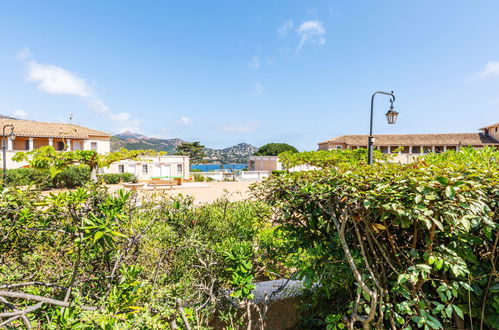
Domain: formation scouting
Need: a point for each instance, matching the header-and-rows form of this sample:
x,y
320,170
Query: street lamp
x,y
12,135
391,117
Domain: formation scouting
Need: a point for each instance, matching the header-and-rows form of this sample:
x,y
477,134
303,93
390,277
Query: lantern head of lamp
x,y
391,115
12,135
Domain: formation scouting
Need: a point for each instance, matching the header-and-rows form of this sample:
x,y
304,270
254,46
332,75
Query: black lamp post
x,y
391,117
4,148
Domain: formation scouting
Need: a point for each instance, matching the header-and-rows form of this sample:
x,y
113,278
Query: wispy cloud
x,y
185,121
53,79
491,69
311,32
254,63
239,128
20,114
257,89
285,28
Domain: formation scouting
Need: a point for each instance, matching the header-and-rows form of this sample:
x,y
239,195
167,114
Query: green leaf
x,y
433,322
458,311
448,310
98,235
418,198
442,180
450,192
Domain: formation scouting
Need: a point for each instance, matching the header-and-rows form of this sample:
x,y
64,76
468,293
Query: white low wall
x,y
217,176
255,175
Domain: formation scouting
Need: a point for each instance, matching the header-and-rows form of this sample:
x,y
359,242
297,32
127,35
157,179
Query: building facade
x,y
160,167
408,146
31,135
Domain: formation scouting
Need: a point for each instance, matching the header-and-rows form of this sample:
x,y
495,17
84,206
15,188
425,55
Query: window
x,y
27,145
416,150
121,168
93,146
60,145
145,169
496,129
338,147
179,168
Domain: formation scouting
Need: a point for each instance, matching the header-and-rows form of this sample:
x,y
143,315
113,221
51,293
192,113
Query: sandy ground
x,y
208,192
203,192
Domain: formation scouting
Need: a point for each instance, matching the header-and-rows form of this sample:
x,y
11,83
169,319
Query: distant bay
x,y
214,167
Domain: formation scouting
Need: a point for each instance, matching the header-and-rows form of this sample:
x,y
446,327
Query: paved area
x,y
206,192
203,192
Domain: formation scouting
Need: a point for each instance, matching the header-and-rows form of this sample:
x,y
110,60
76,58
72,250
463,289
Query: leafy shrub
x,y
278,172
407,245
69,177
274,149
27,176
124,258
198,178
128,177
196,170
72,177
115,178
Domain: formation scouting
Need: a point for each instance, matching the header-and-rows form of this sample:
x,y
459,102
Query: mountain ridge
x,y
238,153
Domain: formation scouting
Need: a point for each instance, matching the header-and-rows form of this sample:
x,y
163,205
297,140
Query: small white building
x,y
159,167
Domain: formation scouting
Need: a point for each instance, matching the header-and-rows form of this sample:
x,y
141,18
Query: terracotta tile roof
x,y
493,125
29,128
464,139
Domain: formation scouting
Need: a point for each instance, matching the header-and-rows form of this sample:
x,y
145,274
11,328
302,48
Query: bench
x,y
161,183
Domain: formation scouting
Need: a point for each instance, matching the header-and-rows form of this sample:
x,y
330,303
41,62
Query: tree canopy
x,y
274,149
192,149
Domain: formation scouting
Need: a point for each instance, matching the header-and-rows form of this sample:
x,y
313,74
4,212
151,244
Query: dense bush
x,y
123,264
72,177
397,246
274,149
198,177
69,177
114,178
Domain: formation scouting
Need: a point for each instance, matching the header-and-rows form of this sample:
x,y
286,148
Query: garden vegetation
x,y
386,246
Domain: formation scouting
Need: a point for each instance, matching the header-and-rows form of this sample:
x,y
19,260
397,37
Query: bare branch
x,y
45,300
22,312
16,285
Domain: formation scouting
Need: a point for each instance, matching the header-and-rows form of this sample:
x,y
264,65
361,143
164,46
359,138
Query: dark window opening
x,y
60,145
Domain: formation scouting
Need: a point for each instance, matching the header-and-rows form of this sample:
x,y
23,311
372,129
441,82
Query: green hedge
x,y
70,177
114,178
395,246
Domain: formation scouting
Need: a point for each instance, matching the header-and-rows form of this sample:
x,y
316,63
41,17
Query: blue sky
x,y
224,72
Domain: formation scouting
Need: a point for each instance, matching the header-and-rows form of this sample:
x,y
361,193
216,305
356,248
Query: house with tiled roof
x,y
416,144
28,135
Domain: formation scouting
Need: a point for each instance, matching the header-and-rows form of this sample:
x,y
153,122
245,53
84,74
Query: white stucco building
x,y
160,167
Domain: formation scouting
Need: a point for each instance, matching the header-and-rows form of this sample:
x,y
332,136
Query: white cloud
x,y
56,80
258,89
491,69
285,28
239,128
185,120
311,32
20,114
53,79
254,64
